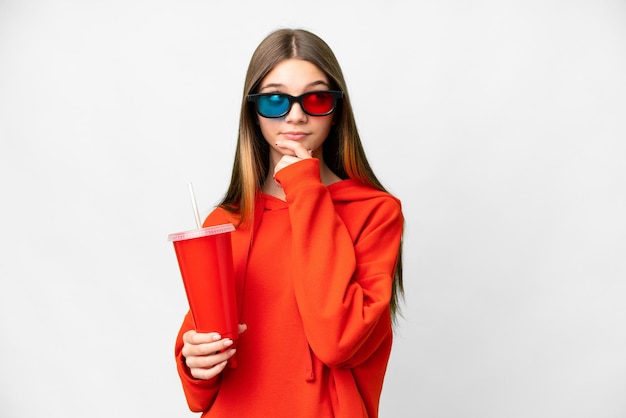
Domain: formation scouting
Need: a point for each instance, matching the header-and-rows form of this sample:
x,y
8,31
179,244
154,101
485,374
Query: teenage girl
x,y
317,251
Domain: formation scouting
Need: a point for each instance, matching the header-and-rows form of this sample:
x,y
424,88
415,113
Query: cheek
x,y
268,127
325,125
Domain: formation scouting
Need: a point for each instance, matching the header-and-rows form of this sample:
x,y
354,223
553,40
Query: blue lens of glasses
x,y
274,105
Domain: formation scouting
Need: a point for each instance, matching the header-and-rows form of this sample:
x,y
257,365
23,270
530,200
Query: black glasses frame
x,y
254,98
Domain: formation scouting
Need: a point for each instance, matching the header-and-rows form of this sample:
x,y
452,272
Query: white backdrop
x,y
499,124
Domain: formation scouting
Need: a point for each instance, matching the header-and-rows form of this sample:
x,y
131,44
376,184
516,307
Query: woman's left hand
x,y
296,152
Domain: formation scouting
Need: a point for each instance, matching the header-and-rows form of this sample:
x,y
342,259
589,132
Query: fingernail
x,y
231,352
228,343
217,337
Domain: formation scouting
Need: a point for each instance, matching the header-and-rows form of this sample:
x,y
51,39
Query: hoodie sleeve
x,y
200,394
342,276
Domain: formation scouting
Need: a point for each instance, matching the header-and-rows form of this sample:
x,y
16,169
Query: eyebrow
x,y
278,85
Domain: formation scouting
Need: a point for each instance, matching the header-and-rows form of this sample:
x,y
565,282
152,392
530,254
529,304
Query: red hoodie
x,y
314,278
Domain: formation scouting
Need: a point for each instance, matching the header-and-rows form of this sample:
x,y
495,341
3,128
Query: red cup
x,y
205,260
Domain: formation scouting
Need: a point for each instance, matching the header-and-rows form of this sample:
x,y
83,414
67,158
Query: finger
x,y
190,350
193,337
242,328
208,361
188,336
209,373
297,148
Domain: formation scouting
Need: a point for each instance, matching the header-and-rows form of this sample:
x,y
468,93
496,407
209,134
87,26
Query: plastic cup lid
x,y
202,232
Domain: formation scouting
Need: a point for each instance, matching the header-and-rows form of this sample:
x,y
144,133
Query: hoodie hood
x,y
351,190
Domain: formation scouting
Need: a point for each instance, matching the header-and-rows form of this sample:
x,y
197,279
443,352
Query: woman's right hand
x,y
203,352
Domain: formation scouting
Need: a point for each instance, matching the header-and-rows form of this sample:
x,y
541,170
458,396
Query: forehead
x,y
294,74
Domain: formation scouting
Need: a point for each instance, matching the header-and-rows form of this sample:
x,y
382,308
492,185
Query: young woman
x,y
316,251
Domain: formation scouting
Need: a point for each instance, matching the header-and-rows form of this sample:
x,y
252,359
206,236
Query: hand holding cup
x,y
207,354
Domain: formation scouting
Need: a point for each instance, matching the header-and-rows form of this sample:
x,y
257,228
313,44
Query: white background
x,y
500,125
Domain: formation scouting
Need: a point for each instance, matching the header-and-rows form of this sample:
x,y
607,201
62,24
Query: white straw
x,y
193,203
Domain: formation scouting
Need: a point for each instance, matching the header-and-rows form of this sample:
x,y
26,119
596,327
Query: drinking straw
x,y
195,206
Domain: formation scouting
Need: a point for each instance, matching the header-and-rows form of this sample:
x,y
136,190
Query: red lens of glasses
x,y
318,103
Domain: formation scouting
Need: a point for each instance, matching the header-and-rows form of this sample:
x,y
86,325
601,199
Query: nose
x,y
295,114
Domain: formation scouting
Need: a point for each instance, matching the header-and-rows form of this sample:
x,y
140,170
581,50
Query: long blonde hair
x,y
343,151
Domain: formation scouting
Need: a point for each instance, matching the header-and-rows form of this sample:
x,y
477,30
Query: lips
x,y
294,136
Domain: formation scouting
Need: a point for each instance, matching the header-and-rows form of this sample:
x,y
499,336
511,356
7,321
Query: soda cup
x,y
205,260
